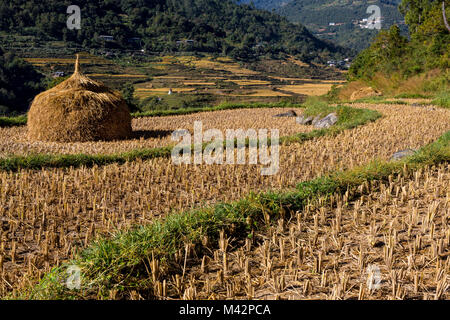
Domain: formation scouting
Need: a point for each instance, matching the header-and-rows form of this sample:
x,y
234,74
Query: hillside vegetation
x,y
395,64
215,26
317,15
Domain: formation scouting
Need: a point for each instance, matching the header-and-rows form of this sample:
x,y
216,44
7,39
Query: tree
x,y
128,95
394,56
160,23
415,12
19,83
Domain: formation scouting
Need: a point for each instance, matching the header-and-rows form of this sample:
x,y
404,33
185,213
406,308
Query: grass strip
x,y
412,96
348,118
39,161
376,100
441,99
13,121
120,262
223,106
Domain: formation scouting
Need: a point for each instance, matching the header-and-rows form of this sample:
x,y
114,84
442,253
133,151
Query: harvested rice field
x,y
199,83
315,89
263,93
390,244
142,91
85,59
152,132
220,79
219,65
139,76
46,214
249,82
414,100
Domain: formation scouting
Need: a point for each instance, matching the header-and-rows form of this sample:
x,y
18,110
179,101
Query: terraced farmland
x,y
216,79
47,214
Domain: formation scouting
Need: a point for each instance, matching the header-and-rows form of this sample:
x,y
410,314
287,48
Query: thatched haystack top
x,y
79,110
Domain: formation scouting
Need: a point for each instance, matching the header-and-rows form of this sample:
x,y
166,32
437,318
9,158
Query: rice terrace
x,y
135,153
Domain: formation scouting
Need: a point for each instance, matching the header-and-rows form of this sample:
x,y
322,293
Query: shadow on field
x,y
147,134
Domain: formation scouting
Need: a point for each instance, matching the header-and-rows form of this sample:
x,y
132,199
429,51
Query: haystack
x,y
79,110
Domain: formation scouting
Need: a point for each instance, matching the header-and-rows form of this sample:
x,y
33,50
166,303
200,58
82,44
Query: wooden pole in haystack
x,y
77,64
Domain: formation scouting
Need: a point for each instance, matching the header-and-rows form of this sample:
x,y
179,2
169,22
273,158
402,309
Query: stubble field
x,y
390,244
152,132
47,214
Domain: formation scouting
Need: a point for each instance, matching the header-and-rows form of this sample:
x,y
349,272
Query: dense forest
x,y
19,83
266,4
214,26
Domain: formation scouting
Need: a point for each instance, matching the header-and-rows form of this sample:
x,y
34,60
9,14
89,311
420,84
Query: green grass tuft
x,y
412,96
13,121
317,106
442,100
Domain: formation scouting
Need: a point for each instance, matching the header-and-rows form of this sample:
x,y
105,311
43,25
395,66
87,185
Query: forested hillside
x,y
428,48
266,4
421,63
317,15
214,26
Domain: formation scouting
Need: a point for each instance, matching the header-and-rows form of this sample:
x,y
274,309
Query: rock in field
x,y
290,113
327,122
315,120
304,120
402,154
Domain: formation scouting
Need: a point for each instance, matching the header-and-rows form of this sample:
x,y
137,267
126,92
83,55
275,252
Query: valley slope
x,y
317,15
